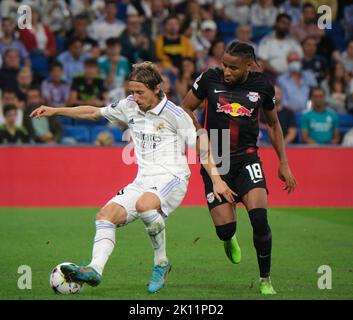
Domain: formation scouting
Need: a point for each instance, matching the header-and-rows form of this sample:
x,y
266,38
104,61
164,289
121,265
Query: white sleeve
x,y
115,111
186,129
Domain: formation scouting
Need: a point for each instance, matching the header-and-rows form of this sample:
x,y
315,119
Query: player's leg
x,y
224,219
148,206
107,219
255,202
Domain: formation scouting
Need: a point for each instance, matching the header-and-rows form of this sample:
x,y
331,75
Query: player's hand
x,y
221,188
42,111
285,174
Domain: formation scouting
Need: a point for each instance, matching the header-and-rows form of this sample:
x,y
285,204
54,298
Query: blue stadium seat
x,y
258,32
39,64
337,35
79,133
346,120
227,29
116,132
99,122
65,121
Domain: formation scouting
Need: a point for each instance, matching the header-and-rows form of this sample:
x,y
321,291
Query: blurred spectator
x,y
155,22
10,69
348,21
41,44
308,25
56,14
113,67
171,47
9,40
244,34
79,31
136,43
139,7
104,139
295,84
274,48
349,101
187,77
192,19
294,9
24,81
336,87
55,91
9,131
330,3
263,13
312,61
215,55
286,118
347,140
347,58
169,90
8,8
88,89
93,9
39,39
8,97
203,41
73,59
109,27
319,125
234,10
45,130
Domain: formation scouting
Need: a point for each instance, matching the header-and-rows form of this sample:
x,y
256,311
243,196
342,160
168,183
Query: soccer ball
x,y
60,285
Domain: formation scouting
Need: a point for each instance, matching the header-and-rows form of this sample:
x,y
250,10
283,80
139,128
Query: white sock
x,y
155,228
103,246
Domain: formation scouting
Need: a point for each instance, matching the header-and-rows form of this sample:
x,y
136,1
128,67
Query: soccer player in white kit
x,y
160,132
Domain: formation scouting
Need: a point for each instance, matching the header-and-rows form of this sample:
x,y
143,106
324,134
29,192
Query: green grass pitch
x,y
303,240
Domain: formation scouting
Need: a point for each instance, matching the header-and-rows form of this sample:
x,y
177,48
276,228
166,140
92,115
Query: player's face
x,y
234,68
143,96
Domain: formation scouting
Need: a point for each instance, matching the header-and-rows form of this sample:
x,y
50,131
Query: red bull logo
x,y
235,110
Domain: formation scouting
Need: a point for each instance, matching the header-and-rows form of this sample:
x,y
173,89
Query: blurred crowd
x,y
80,52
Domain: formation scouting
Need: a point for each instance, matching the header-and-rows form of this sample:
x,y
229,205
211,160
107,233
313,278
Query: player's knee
x,y
258,218
117,217
226,231
142,206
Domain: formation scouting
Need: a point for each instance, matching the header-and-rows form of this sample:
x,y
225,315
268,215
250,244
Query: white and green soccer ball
x,y
60,285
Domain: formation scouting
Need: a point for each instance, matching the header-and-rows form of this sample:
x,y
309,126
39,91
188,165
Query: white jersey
x,y
160,135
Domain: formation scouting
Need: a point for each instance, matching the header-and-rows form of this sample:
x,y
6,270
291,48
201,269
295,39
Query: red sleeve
x,y
28,39
51,45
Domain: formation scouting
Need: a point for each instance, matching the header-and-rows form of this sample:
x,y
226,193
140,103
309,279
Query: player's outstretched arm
x,y
277,140
80,112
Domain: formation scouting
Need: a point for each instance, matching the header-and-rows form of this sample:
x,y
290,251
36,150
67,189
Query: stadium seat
x,y
227,29
116,132
40,64
65,121
346,120
336,34
258,32
99,122
79,133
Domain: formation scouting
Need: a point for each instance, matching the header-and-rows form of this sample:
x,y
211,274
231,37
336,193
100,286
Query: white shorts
x,y
169,189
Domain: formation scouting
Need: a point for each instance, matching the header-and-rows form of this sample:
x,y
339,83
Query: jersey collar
x,y
159,107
